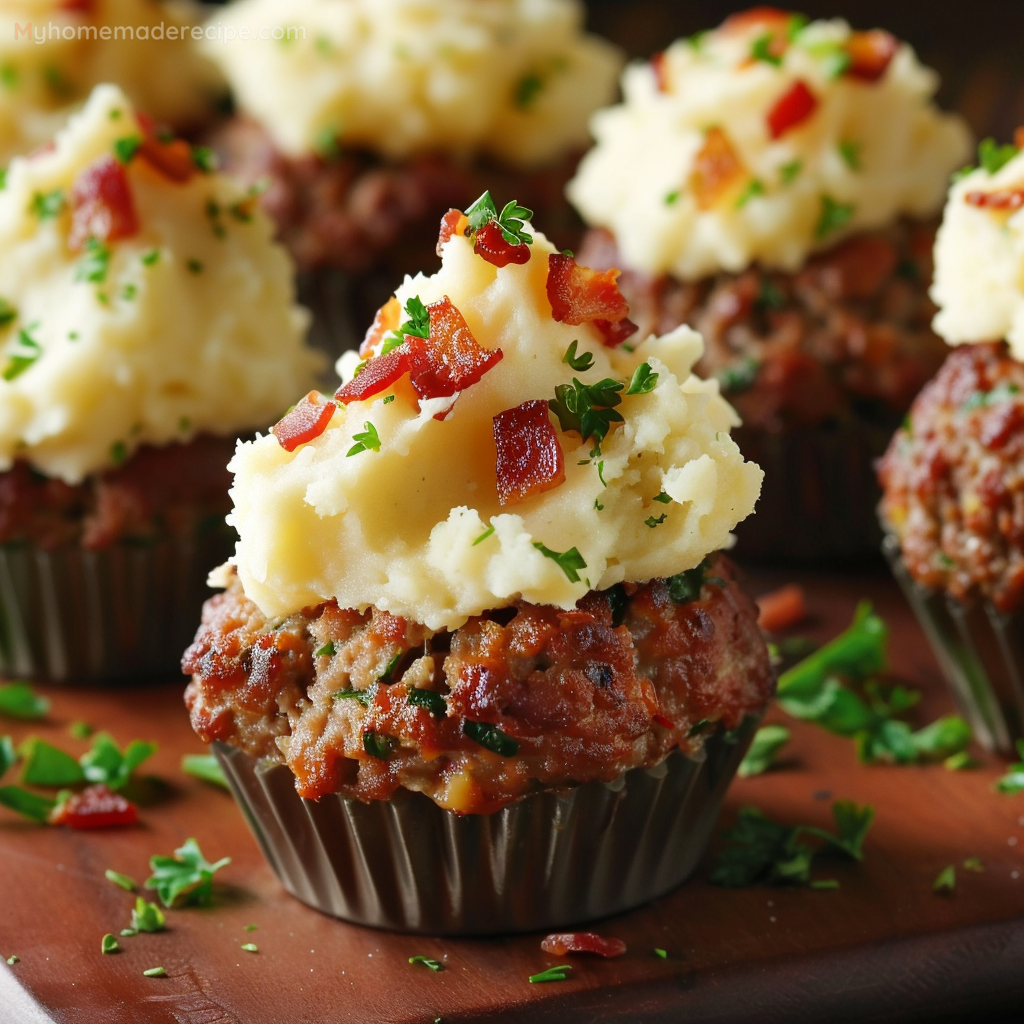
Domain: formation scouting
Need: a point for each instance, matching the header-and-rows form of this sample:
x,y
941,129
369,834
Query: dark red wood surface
x,y
883,947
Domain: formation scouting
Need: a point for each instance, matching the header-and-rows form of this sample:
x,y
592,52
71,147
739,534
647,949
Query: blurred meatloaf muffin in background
x,y
478,605
773,183
147,319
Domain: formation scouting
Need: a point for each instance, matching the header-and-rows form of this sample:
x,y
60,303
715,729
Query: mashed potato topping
x,y
395,503
142,299
511,79
762,141
52,53
979,254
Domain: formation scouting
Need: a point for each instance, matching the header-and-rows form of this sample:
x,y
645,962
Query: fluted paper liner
x,y
980,651
119,614
554,859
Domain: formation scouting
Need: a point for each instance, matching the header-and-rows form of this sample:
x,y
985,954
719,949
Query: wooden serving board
x,y
883,947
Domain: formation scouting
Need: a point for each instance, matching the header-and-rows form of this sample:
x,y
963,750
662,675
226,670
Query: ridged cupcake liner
x,y
980,651
819,495
119,614
553,859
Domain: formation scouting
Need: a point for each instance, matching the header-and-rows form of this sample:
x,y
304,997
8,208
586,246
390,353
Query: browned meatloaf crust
x,y
167,489
846,336
953,478
615,683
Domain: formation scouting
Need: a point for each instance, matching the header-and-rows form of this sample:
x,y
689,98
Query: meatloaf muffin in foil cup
x,y
774,184
479,664
147,320
366,118
953,476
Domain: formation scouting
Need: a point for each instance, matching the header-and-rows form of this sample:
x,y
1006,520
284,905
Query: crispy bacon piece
x,y
529,457
101,204
582,942
660,72
1000,199
306,421
581,295
870,54
95,807
454,222
491,245
768,17
782,608
717,170
377,375
387,319
79,6
172,159
791,109
451,359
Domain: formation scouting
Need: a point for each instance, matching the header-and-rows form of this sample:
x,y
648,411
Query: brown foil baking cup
x,y
980,651
114,615
819,495
553,859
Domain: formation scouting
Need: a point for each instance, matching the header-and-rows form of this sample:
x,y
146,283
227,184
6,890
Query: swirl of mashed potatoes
x,y
396,503
510,79
142,299
763,141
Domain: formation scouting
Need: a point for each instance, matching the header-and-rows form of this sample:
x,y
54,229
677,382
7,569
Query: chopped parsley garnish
x,y
25,353
643,381
697,728
418,325
974,864
105,762
150,257
118,452
7,313
581,362
686,586
388,399
491,737
738,376
9,76
363,696
527,89
47,205
1013,781
19,700
946,880
204,158
789,172
834,216
433,702
662,497
570,562
426,961
147,917
764,749
386,678
327,651
93,266
326,144
983,399
187,874
763,852
994,157
850,152
652,522
108,944
483,536
250,947
754,187
129,292
154,972
762,50
588,408
551,974
122,881
8,756
834,56
510,221
46,765
366,440
770,296
661,953
671,198
29,805
126,148
128,932
379,745
205,767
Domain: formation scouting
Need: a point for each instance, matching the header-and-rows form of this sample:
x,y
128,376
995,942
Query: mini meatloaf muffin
x,y
774,184
147,319
485,577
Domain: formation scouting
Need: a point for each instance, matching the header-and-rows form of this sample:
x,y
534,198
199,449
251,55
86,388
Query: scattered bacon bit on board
x,y
562,943
491,245
870,54
454,222
717,170
95,807
791,109
386,320
582,295
101,204
451,359
306,421
529,457
781,608
1000,199
172,159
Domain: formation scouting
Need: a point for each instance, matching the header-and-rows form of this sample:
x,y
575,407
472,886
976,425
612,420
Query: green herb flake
x,y
363,696
95,264
850,152
994,157
763,50
643,381
27,804
204,158
105,761
671,198
945,882
205,767
433,702
25,353
187,874
194,266
128,932
491,737
433,965
1013,781
122,881
108,944
789,172
570,562
386,678
126,148
511,220
45,765
150,257
974,864
738,376
825,883
754,187
250,947
155,972
80,730
662,497
19,700
580,362
588,409
380,745
7,313
960,761
147,917
686,586
985,399
834,217
661,954
326,144
47,205
551,974
327,651
8,755
366,440
526,91
652,521
698,727
489,532
251,927
13,959
764,750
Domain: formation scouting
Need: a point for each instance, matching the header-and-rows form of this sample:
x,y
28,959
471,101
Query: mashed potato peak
x,y
393,507
136,308
763,141
512,79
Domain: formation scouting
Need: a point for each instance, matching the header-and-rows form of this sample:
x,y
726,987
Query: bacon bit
x,y
101,204
387,319
377,375
614,333
1018,137
454,222
660,69
81,6
582,942
791,109
663,721
768,17
581,295
1000,199
492,246
717,170
306,421
781,608
172,159
95,807
530,459
870,54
